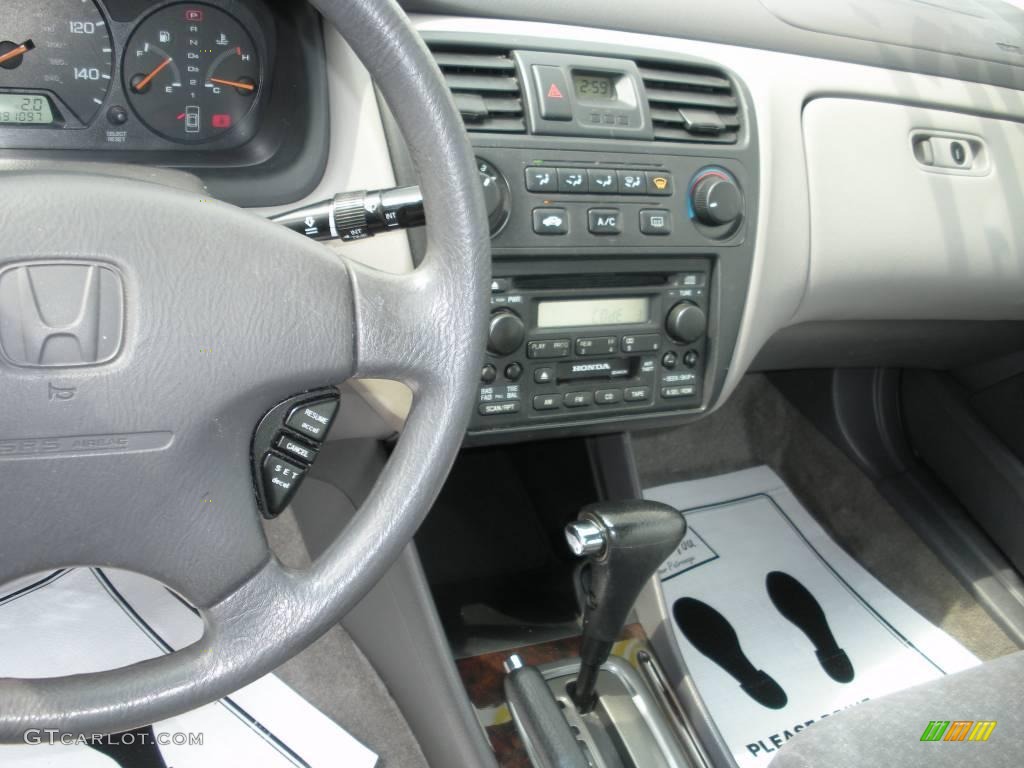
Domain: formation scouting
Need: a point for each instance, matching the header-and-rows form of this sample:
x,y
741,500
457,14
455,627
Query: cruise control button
x,y
659,183
632,182
550,221
313,419
493,409
656,221
600,345
578,399
607,396
603,182
541,180
604,221
281,479
546,402
548,348
299,450
644,342
637,394
572,180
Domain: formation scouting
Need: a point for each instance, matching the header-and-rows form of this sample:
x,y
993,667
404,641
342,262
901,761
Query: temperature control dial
x,y
716,198
496,195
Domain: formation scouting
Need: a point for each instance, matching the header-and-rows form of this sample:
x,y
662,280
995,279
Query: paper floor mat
x,y
81,619
777,625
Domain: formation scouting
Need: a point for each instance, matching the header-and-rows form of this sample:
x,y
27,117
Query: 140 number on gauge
x,y
191,72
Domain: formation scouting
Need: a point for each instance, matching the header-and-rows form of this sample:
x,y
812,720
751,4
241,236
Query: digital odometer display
x,y
25,109
594,86
587,312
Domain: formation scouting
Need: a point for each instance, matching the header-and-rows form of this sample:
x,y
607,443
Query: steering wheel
x,y
224,316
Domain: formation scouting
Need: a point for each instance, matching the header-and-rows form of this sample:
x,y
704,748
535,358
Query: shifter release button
x,y
313,419
281,479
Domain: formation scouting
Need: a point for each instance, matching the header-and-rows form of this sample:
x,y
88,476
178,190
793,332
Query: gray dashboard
x,y
972,40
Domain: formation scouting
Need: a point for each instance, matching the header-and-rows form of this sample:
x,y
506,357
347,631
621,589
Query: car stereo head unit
x,y
579,347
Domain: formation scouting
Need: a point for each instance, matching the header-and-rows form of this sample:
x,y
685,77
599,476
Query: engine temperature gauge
x,y
191,72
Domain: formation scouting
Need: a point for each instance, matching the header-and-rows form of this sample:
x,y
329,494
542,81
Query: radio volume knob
x,y
505,333
686,322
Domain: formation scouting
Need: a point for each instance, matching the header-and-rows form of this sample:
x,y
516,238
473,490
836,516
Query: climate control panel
x,y
569,348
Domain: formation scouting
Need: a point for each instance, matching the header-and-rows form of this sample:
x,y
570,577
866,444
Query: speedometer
x,y
58,51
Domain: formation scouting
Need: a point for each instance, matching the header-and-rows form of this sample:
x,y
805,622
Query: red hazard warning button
x,y
553,89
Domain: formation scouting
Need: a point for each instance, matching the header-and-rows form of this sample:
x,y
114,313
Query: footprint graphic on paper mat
x,y
712,634
794,601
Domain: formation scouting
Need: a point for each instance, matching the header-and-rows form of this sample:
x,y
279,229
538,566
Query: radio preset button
x,y
572,180
548,348
645,342
578,399
550,221
541,180
599,345
637,394
544,375
607,396
604,221
495,409
547,402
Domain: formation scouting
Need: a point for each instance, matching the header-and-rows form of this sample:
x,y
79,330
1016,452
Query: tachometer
x,y
191,72
57,57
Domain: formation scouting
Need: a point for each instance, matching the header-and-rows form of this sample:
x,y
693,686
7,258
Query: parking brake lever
x,y
625,542
356,215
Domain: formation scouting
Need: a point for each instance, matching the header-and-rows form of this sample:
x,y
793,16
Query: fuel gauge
x,y
191,72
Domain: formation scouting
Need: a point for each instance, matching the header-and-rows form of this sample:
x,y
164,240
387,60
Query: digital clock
x,y
591,87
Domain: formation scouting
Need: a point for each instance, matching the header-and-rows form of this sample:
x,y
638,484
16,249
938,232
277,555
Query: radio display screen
x,y
587,312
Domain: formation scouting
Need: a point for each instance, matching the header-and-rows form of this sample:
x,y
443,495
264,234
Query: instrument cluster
x,y
133,74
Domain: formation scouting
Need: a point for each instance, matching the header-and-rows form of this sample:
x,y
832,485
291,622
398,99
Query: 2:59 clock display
x,y
598,87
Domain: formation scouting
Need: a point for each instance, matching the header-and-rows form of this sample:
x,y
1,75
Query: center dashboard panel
x,y
622,195
233,91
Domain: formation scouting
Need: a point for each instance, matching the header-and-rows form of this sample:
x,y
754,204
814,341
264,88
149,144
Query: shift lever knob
x,y
624,542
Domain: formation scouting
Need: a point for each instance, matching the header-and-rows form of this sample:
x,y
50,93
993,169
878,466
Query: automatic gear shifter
x,y
625,542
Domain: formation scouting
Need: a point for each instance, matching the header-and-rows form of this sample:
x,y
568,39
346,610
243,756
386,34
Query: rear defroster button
x,y
313,419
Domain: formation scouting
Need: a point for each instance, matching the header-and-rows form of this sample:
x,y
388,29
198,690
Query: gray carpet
x,y
759,426
336,678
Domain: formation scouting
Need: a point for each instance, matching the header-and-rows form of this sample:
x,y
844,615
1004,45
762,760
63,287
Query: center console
x,y
622,196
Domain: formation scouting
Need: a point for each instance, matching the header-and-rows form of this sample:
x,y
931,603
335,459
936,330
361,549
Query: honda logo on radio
x,y
60,313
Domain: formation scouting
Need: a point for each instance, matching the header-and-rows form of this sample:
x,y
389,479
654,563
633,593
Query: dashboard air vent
x,y
485,87
690,103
